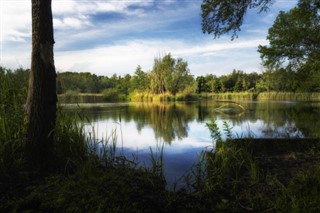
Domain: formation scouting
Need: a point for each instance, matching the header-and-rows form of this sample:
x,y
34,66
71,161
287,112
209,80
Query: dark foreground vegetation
x,y
240,175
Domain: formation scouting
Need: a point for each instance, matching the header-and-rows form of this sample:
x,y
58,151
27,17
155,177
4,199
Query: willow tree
x,y
170,75
41,105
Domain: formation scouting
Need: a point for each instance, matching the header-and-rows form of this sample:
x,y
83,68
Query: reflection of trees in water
x,y
281,119
290,119
169,121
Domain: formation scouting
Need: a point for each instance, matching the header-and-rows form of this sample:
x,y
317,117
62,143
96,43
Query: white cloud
x,y
110,47
124,58
16,20
67,23
74,7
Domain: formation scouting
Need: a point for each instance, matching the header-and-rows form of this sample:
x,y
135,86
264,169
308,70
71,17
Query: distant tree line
x,y
168,75
173,76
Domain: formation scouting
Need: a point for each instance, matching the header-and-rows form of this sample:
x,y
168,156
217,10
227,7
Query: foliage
x,y
140,80
82,82
293,39
294,43
13,92
170,75
293,53
253,175
302,193
71,148
220,17
202,84
157,160
94,189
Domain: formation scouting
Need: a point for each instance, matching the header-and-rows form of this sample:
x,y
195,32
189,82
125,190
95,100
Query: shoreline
x,y
148,97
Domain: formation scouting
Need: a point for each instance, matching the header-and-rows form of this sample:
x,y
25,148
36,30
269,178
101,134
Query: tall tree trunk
x,y
41,106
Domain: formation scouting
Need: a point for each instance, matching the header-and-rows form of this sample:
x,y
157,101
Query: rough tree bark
x,y
41,105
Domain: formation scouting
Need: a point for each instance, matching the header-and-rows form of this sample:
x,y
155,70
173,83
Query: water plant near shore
x,y
244,175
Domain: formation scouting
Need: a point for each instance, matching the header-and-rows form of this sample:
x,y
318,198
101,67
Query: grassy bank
x,y
90,98
263,96
288,96
246,175
263,175
167,97
229,96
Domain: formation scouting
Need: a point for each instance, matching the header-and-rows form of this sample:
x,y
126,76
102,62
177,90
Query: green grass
x,y
94,189
277,175
111,96
289,96
12,130
166,97
72,97
230,96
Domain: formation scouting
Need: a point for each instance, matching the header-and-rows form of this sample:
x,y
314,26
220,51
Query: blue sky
x,y
115,36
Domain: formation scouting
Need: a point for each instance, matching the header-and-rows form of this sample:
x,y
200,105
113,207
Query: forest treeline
x,y
171,76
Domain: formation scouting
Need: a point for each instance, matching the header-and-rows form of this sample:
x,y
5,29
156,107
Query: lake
x,y
181,129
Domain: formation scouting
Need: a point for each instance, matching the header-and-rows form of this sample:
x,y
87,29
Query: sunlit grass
x,y
289,96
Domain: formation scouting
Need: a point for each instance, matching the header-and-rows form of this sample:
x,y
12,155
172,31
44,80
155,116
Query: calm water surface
x,y
181,126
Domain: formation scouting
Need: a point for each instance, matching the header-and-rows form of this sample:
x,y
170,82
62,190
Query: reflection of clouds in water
x,y
259,129
198,136
288,130
178,157
184,127
248,129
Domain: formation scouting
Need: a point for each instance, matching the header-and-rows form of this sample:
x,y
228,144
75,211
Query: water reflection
x,y
171,121
182,126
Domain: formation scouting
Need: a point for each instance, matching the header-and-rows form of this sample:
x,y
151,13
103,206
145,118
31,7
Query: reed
x,y
289,96
81,98
12,130
71,147
229,96
166,97
157,160
140,97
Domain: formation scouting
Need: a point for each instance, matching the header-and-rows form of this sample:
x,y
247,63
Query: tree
x,y
294,39
123,84
140,81
179,77
41,105
201,84
295,46
169,74
220,16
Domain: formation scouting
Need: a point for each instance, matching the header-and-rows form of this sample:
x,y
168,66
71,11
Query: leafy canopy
x,y
294,39
223,16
